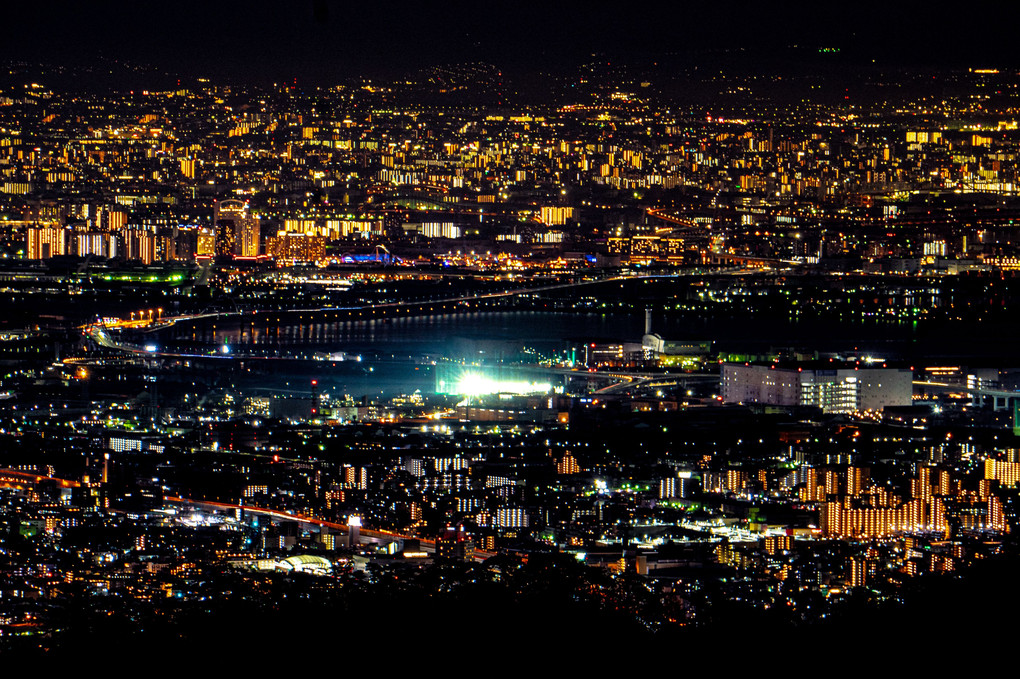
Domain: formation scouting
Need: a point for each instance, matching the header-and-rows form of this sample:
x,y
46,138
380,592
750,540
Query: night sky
x,y
328,40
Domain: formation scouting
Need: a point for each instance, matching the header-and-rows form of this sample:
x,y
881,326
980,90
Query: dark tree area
x,y
474,611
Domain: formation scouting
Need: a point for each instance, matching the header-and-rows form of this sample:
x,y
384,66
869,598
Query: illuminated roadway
x,y
372,534
997,395
651,380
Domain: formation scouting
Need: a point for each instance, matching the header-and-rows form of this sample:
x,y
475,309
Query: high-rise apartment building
x,y
45,242
237,231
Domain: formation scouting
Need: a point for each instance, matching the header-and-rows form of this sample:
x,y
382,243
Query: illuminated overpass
x,y
369,534
13,478
1002,399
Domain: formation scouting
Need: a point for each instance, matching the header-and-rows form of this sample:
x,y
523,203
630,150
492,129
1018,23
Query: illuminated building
x,y
668,488
775,544
258,405
613,354
96,243
841,390
226,239
120,441
724,552
355,477
353,531
1006,473
415,466
831,483
511,517
188,167
334,496
205,242
556,216
45,242
813,489
249,240
736,479
568,465
937,517
945,483
921,486
140,244
858,572
996,518
856,477
296,247
301,226
673,486
639,249
687,354
237,232
916,515
252,491
453,544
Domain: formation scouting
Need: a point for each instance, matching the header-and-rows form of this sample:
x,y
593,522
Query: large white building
x,y
835,390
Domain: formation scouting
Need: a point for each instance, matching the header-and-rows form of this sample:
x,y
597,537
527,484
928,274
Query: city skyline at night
x,y
664,328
